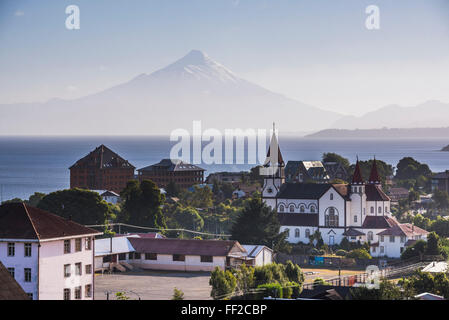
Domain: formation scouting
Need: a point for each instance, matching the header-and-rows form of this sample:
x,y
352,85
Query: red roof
x,y
357,177
10,289
220,248
374,192
378,222
374,175
20,221
405,229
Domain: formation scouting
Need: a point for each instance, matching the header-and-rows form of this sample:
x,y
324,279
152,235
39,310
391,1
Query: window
x,y
131,256
374,249
292,208
11,272
296,233
370,236
288,232
391,238
88,243
137,255
386,209
381,238
207,259
78,269
66,294
302,209
355,218
78,245
88,291
179,257
27,249
353,238
402,239
312,209
66,246
30,295
122,256
331,240
281,208
379,210
27,274
382,249
77,293
11,249
331,218
372,209
150,256
402,249
88,269
307,233
332,196
364,211
66,270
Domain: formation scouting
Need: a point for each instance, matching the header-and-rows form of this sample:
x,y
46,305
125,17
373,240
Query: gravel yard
x,y
153,285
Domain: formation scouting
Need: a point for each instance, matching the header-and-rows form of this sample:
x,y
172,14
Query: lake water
x,y
31,164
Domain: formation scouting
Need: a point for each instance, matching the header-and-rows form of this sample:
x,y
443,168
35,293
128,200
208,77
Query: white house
x,y
258,255
185,254
50,257
359,211
113,252
109,196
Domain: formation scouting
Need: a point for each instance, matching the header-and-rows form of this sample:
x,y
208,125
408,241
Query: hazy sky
x,y
315,51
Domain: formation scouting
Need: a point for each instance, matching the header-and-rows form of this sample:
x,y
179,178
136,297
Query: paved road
x,y
154,285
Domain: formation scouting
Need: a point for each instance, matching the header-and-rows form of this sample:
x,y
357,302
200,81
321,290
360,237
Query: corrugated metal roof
x,y
119,245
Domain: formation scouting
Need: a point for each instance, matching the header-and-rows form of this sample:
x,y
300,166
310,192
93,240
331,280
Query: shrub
x,y
361,253
296,289
314,252
341,252
273,290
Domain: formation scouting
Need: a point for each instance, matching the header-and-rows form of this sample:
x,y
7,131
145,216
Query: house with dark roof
x,y
358,211
306,171
440,181
101,169
50,257
186,254
181,173
9,288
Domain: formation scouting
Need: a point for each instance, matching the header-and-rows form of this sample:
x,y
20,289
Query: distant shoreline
x,y
394,133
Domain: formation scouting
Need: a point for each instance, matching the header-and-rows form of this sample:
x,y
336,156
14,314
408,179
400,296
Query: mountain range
x,y
196,87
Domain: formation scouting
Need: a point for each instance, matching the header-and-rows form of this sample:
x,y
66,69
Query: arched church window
x,y
331,218
296,233
281,208
292,208
288,232
370,236
307,233
372,209
312,209
379,210
302,209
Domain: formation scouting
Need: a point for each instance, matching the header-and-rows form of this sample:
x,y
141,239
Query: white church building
x,y
359,211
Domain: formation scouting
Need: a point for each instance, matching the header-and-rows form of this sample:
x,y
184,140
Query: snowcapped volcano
x,y
194,87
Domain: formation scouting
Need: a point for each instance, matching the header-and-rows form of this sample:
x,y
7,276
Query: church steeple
x,y
357,178
274,160
273,170
374,177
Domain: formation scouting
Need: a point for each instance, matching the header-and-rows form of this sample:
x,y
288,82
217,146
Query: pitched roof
x,y
172,165
114,245
403,229
20,221
374,175
441,175
378,222
302,190
274,142
342,189
220,248
374,192
102,157
9,288
298,219
353,232
357,177
253,250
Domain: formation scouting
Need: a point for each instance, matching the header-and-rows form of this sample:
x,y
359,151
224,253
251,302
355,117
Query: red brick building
x,y
102,169
183,174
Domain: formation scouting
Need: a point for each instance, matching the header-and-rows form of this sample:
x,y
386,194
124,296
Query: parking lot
x,y
153,285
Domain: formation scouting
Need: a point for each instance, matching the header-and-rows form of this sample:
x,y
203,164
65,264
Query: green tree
x,y
294,273
441,199
333,157
245,278
188,218
172,189
200,197
82,206
433,246
416,250
409,168
361,253
223,283
142,203
257,224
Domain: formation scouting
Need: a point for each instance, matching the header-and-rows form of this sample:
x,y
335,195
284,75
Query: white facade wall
x,y
191,263
357,208
302,233
338,203
264,257
51,270
309,206
19,262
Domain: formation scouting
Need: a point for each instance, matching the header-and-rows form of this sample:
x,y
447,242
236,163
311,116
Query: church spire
x,y
271,159
374,177
357,178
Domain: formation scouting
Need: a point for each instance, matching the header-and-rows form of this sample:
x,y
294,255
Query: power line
x,y
159,229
